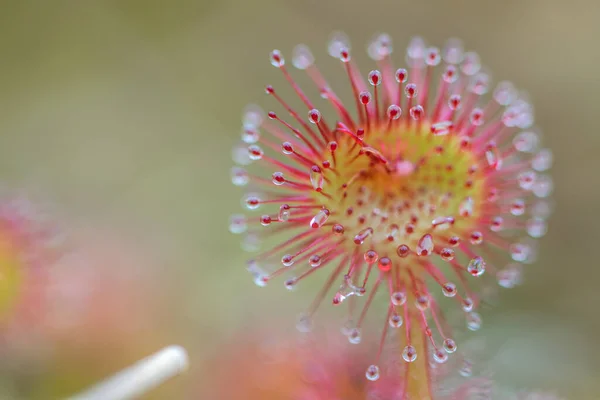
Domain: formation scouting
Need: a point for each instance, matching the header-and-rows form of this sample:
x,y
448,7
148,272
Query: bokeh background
x,y
123,114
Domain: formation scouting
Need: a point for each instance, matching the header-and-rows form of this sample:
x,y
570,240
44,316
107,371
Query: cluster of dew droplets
x,y
366,243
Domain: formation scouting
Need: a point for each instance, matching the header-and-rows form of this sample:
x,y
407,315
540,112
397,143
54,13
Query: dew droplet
x,y
384,264
453,51
362,235
401,75
467,304
410,90
314,116
476,266
536,227
449,345
251,243
416,48
543,186
287,148
510,276
278,178
465,209
417,112
372,373
302,57
314,260
440,356
450,74
496,224
287,260
466,370
505,93
480,83
422,302
471,63
542,161
290,284
403,250
354,336
517,207
395,321
319,219
476,117
398,298
255,152
240,155
454,102
238,224
492,156
409,354
276,59
442,128
380,47
449,289
316,178
338,41
447,254
284,212
520,251
473,321
476,237
432,56
252,202
394,112
371,257
337,229
304,323
374,78
265,220
526,179
454,241
442,223
526,142
425,245
239,176
250,135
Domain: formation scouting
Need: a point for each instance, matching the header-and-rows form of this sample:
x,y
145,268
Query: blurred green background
x,y
124,113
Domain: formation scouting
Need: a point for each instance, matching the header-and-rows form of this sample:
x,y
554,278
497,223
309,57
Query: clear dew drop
x,y
372,373
517,207
252,202
449,289
374,78
410,90
302,57
371,256
304,324
520,252
542,161
442,128
526,180
422,302
476,266
276,59
471,63
449,345
239,176
467,304
290,284
315,260
425,245
442,223
473,321
505,93
497,224
526,142
278,179
316,178
338,41
395,321
319,220
466,370
346,290
284,212
380,47
416,48
476,237
240,155
417,112
453,51
258,274
265,220
440,356
543,186
255,152
398,298
314,116
492,156
510,276
409,354
253,116
465,209
287,260
354,336
536,227
447,254
362,235
238,224
394,112
250,135
432,56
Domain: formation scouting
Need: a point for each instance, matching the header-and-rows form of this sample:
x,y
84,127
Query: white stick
x,y
141,377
